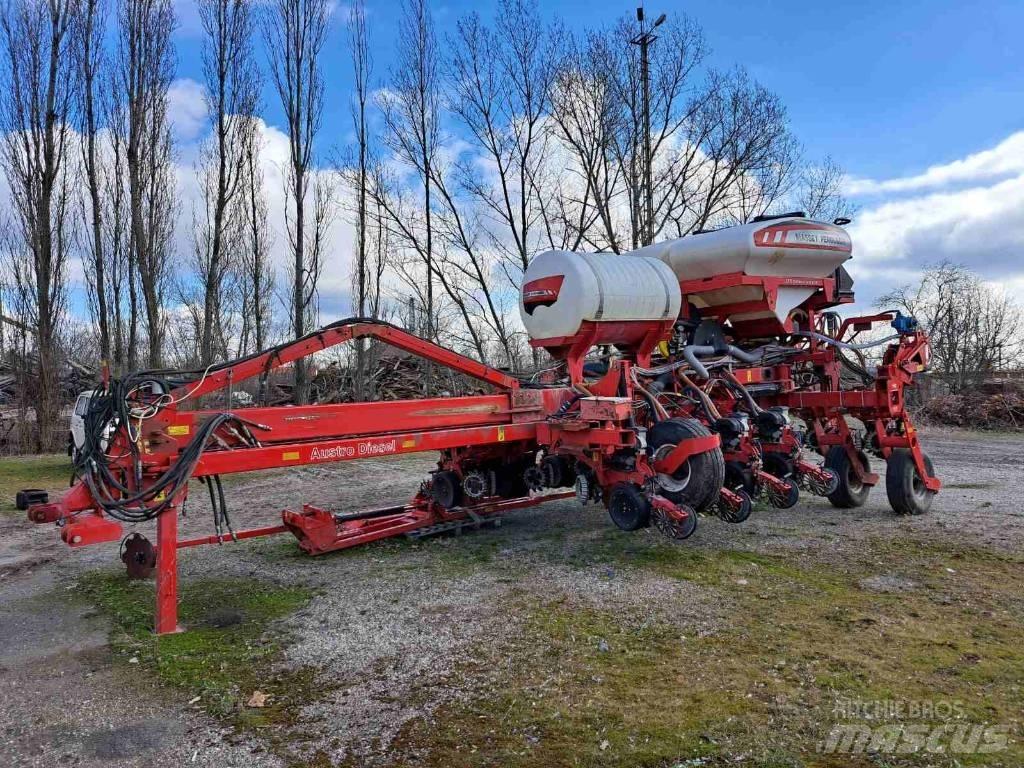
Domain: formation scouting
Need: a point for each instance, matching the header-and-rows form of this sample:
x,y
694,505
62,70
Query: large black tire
x,y
904,485
628,507
850,492
699,480
446,489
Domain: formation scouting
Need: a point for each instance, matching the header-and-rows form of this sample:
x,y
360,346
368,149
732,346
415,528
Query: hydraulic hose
x,y
846,344
693,351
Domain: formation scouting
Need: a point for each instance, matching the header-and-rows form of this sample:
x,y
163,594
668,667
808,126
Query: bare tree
x,y
146,68
749,155
90,31
232,86
362,66
820,192
500,80
411,116
403,217
256,275
295,33
974,329
588,115
35,117
116,234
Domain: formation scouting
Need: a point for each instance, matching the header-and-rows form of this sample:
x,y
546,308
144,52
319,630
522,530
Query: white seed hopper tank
x,y
562,290
788,248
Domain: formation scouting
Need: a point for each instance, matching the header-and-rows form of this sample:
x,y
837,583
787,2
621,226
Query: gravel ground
x,y
392,621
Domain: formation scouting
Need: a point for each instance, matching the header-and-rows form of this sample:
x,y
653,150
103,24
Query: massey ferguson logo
x,y
364,448
802,236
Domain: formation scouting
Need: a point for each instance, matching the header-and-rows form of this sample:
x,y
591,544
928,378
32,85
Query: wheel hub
x,y
672,483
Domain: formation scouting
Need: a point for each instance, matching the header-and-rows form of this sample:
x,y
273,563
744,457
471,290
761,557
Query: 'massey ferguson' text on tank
x,y
783,259
787,247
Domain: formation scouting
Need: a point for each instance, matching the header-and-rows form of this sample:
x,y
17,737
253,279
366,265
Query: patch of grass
x,y
50,472
225,653
592,688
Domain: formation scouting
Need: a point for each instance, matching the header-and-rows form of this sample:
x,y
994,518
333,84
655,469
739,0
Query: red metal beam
x,y
338,334
225,462
248,533
316,422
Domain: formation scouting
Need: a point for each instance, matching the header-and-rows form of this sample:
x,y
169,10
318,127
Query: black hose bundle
x,y
121,407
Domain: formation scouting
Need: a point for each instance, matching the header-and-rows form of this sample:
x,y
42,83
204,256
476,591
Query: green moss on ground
x,y
226,653
590,688
51,472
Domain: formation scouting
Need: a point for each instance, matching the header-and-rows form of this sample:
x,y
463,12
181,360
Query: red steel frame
x,y
512,421
591,424
882,406
312,434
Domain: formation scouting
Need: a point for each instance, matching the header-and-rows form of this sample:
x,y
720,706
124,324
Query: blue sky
x,y
886,88
921,102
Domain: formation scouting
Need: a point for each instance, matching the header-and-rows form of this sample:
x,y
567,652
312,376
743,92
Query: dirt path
x,y
394,624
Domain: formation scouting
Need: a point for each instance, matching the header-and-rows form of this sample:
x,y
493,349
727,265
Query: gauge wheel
x,y
730,515
673,528
628,507
446,489
697,482
786,498
851,491
904,485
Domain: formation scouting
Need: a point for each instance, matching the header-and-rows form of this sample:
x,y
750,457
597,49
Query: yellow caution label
x,y
750,376
160,496
178,430
290,456
408,443
501,434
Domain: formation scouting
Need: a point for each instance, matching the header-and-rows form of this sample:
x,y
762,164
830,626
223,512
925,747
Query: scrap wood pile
x,y
393,375
14,374
999,408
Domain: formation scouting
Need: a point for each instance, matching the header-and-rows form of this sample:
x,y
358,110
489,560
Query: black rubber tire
x,y
904,486
629,508
675,530
706,470
26,497
737,515
738,477
850,492
558,472
446,489
789,498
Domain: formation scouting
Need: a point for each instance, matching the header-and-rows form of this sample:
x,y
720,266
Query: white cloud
x,y
335,280
186,104
1004,159
970,212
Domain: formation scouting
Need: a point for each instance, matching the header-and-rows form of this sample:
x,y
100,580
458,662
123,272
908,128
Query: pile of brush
x,y
990,407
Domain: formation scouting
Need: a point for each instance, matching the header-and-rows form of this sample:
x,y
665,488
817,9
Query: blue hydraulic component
x,y
904,324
